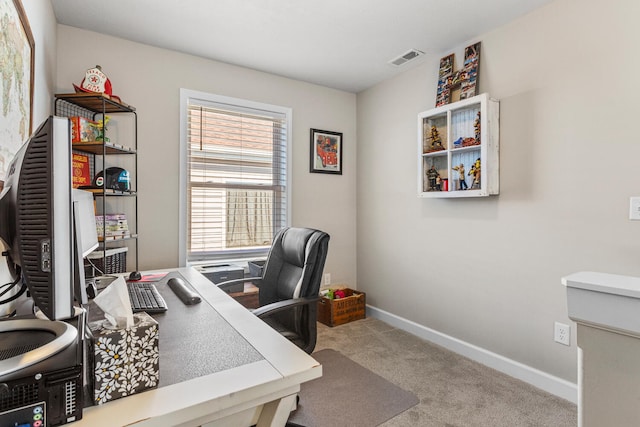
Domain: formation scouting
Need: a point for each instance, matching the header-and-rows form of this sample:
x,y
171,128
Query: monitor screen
x,y
37,219
85,221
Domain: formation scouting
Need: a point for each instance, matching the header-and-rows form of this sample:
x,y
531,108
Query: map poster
x,y
16,85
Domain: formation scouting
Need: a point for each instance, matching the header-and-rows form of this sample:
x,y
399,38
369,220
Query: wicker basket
x,y
108,262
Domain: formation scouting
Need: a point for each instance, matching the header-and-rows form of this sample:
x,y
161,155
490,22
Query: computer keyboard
x,y
144,296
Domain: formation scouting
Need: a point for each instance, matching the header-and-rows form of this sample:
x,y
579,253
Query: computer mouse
x,y
92,290
135,275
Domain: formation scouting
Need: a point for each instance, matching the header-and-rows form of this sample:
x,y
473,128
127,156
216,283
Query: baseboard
x,y
542,380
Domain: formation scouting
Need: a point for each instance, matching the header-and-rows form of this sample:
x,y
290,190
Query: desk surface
x,y
214,356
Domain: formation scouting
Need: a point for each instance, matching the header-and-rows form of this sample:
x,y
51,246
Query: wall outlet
x,y
634,208
562,333
327,279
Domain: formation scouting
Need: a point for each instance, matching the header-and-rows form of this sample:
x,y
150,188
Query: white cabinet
x,y
458,149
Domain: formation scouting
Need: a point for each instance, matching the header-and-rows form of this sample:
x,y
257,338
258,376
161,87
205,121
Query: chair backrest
x,y
294,269
294,265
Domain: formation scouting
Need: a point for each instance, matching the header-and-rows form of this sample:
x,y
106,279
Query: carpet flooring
x,y
453,391
348,395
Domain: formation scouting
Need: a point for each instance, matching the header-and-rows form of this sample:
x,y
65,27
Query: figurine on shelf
x,y
475,171
436,141
463,181
101,126
476,126
433,176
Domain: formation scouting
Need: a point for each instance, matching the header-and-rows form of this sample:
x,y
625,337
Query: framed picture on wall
x,y
17,59
326,152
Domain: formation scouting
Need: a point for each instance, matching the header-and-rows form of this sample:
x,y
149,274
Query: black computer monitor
x,y
37,210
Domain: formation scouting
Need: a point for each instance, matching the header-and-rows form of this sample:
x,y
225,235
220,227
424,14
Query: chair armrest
x,y
269,309
230,283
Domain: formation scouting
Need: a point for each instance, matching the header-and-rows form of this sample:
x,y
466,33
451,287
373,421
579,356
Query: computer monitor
x,y
85,221
37,210
86,239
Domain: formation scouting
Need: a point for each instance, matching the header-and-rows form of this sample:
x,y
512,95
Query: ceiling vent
x,y
406,57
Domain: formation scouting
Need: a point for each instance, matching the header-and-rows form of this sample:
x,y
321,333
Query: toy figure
x,y
476,126
475,171
463,181
432,176
436,141
101,126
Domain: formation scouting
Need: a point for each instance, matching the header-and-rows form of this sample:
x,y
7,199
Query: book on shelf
x,y
108,237
112,225
84,130
81,172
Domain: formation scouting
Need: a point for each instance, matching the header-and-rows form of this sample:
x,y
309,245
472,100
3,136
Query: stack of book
x,y
112,226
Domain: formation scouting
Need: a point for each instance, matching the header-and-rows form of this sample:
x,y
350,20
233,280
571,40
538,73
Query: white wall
x,y
150,79
43,27
488,271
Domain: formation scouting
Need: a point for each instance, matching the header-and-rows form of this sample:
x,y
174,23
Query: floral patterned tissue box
x,y
125,360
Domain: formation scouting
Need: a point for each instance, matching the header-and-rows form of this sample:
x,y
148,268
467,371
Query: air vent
x,y
406,57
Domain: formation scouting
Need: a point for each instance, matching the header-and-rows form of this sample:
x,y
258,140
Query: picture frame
x,y
325,152
18,57
461,84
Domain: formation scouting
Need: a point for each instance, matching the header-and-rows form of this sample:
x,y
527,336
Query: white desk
x,y
261,392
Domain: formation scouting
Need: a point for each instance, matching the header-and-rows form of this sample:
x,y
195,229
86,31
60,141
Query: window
x,y
235,180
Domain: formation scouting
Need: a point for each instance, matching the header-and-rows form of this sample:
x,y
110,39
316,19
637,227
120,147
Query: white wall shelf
x,y
461,133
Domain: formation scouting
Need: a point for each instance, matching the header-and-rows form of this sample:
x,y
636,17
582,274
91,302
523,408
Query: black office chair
x,y
290,284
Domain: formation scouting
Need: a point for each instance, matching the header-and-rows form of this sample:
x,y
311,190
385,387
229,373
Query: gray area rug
x,y
348,395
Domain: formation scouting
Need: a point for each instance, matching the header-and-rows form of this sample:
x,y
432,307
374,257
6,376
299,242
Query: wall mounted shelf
x,y
458,149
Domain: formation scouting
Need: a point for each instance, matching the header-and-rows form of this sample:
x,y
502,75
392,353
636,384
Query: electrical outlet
x,y
634,208
327,279
562,333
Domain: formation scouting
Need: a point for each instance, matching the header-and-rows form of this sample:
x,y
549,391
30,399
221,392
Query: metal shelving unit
x,y
95,107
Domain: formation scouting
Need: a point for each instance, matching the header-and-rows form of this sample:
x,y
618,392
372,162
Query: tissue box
x,y
125,360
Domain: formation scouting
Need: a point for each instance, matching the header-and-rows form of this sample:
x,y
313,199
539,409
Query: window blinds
x,y
236,179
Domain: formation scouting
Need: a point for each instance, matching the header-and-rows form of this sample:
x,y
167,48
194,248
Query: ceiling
x,y
343,44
